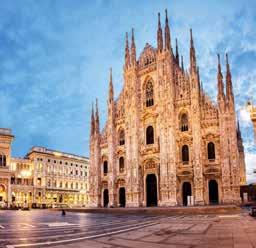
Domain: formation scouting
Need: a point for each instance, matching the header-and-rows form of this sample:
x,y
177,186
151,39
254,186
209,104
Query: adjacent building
x,y
252,110
164,139
6,139
43,178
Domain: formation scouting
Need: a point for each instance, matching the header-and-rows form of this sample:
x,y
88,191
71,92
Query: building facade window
x,y
121,164
149,94
211,151
105,167
184,123
39,181
150,135
121,137
185,154
2,160
12,180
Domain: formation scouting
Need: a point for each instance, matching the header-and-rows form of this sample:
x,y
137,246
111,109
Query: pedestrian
x,y
63,213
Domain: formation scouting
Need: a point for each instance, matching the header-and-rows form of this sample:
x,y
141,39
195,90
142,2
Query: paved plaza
x,y
44,228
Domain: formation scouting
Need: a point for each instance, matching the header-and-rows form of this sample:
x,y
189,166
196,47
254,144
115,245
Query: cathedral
x,y
165,142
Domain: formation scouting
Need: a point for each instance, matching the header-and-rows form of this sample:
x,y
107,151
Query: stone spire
x,y
192,54
198,76
239,136
127,51
177,52
202,92
133,50
167,36
198,81
229,87
182,64
97,120
111,89
221,95
159,35
92,122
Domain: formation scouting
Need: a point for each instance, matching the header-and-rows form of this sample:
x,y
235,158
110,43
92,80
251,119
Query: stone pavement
x,y
45,228
238,231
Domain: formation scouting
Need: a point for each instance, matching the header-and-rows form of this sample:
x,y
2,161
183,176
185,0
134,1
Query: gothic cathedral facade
x,y
165,143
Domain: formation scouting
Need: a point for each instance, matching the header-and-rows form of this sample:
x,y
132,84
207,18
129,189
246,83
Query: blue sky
x,y
55,58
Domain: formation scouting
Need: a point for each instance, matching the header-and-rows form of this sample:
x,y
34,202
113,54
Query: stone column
x,y
9,193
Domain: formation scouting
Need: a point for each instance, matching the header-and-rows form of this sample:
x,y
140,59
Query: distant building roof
x,y
6,131
45,150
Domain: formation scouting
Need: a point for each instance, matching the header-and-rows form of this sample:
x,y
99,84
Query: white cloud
x,y
250,160
245,116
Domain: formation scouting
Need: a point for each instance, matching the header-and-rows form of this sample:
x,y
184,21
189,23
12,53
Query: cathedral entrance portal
x,y
151,186
213,192
105,198
3,193
186,191
122,197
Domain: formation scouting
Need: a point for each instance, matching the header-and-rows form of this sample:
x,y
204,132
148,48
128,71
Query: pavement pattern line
x,y
81,238
63,228
82,232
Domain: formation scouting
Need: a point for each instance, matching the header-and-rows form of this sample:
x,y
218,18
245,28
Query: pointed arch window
x,y
121,137
149,94
211,151
150,135
185,154
184,123
105,167
121,164
2,160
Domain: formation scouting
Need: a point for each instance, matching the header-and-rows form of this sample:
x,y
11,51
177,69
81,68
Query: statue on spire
x,y
221,95
127,51
159,35
167,35
229,87
111,89
193,66
133,50
92,122
97,120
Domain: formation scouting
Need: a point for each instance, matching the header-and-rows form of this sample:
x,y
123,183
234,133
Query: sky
x,y
55,58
